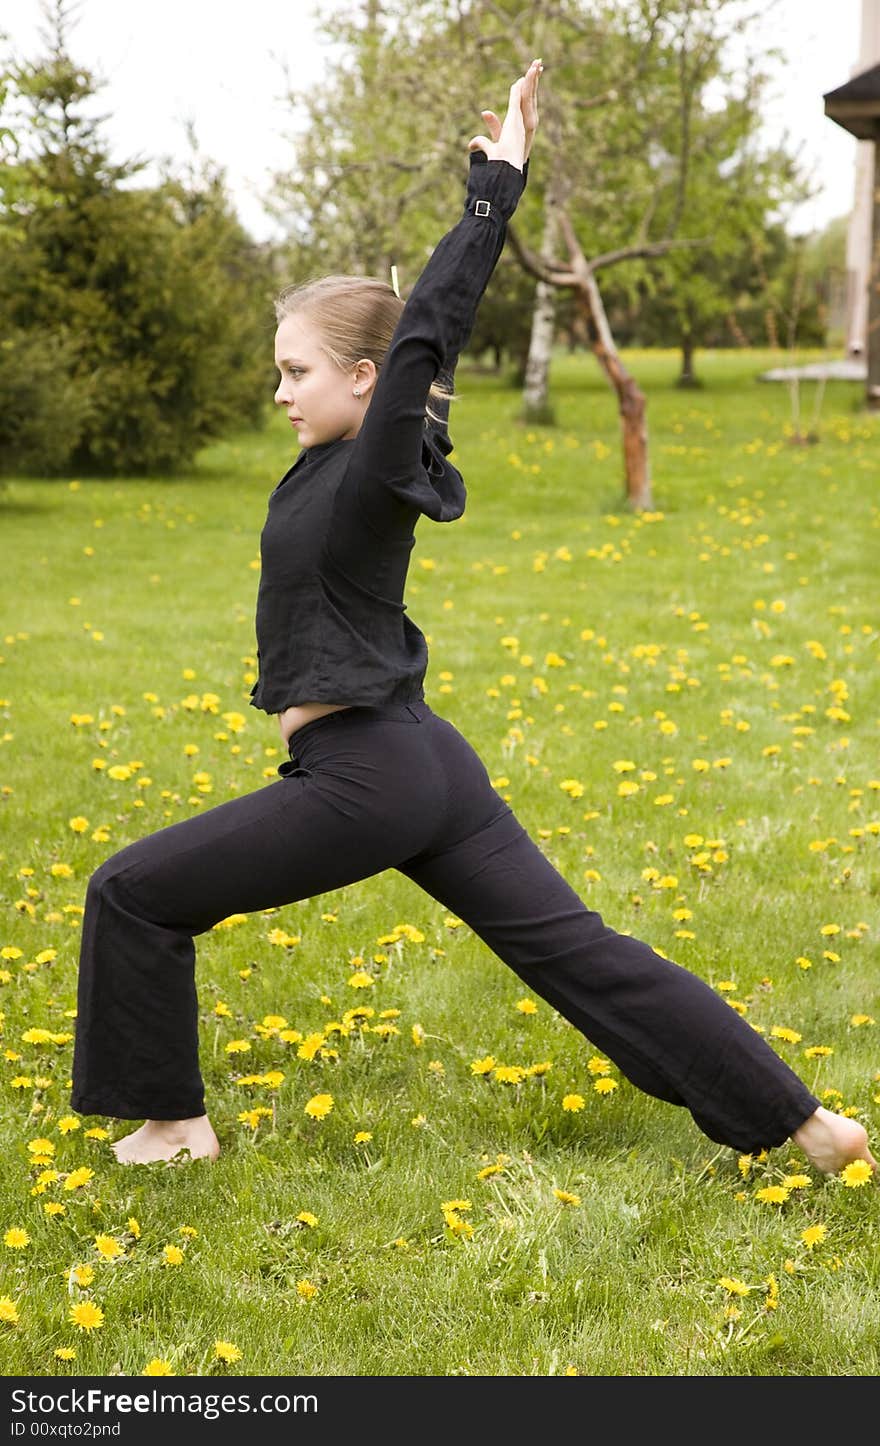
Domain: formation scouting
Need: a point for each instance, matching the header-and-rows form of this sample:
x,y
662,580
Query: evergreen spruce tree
x,y
134,317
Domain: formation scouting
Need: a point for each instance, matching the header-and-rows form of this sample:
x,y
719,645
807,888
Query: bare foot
x,y
164,1139
831,1141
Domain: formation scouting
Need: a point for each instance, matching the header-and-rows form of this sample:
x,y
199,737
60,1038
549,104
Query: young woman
x,y
376,779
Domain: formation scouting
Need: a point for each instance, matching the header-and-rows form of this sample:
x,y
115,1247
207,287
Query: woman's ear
x,y
365,375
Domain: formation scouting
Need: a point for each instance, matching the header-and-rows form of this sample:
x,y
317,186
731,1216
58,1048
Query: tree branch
x,y
650,248
554,272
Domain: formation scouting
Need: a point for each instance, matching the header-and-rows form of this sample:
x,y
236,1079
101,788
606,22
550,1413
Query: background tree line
x,y
136,321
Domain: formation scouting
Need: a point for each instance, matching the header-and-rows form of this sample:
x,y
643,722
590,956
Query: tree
x,y
123,304
623,166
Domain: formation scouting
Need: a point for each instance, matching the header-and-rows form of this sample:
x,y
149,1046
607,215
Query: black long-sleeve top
x,y
331,622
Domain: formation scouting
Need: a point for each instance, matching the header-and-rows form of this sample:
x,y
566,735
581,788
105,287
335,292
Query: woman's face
x,y
318,398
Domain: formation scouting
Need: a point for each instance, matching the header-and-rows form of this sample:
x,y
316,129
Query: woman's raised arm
x,y
385,475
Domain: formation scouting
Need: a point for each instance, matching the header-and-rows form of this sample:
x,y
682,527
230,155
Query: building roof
x,y
856,105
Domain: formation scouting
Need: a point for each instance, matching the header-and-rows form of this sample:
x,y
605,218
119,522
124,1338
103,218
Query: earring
x,y
357,391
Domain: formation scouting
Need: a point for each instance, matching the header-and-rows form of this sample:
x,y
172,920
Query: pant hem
x,y
147,1110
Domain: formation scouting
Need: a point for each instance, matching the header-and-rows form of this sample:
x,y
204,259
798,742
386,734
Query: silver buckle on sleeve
x,y
485,211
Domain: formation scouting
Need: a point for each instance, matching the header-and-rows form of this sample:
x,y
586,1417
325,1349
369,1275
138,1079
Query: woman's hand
x,y
512,141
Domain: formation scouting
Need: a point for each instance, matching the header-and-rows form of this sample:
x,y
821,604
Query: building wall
x,y
858,242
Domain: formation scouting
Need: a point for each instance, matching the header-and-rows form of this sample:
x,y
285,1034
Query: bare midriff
x,y
300,713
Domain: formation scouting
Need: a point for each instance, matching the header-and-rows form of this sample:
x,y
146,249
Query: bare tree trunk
x,y
536,402
631,400
687,376
580,275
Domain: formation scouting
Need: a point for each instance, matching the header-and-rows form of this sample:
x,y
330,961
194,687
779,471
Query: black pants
x,y
368,789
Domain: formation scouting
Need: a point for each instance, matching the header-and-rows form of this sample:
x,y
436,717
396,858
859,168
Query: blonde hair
x,y
355,317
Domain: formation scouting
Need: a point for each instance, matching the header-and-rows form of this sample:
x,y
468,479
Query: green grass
x,y
666,629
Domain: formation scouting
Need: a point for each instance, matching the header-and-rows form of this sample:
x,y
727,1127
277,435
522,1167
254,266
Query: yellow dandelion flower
x,y
54,1207
274,1021
319,1106
78,1178
133,1227
791,1036
814,1235
41,1146
797,1182
542,1067
457,1225
772,1194
734,1286
483,1066
361,980
363,1137
158,1367
310,1045
308,1218
509,1073
573,1103
107,1247
237,1046
226,1351
8,1310
526,1006
857,1172
173,1255
83,1274
16,1238
65,1353
86,1315
566,1197
605,1086
490,1170
306,1290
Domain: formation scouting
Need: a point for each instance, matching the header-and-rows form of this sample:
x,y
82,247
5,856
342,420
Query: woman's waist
x,y
298,714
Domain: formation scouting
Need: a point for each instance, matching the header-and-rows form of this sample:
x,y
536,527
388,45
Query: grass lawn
x,y
720,654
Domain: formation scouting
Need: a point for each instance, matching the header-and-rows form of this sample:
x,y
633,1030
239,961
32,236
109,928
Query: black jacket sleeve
x,y
397,467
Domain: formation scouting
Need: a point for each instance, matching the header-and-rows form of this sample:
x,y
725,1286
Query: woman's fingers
x,y
529,99
493,123
520,121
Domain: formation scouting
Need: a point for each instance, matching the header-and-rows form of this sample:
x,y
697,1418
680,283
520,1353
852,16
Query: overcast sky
x,y
220,64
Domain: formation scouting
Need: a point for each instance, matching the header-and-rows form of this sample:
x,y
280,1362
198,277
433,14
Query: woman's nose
x,y
281,395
